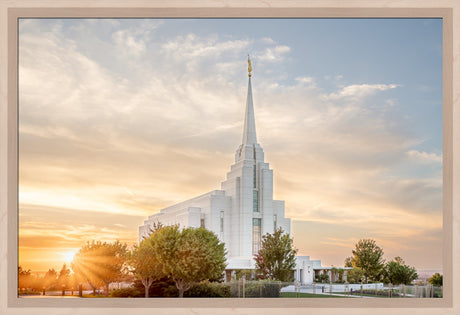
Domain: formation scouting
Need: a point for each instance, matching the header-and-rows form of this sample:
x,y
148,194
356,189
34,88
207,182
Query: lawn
x,y
308,295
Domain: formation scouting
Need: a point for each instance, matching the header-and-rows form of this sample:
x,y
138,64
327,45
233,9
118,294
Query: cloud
x,y
273,54
59,230
355,91
307,82
192,46
108,138
267,40
424,157
131,44
131,40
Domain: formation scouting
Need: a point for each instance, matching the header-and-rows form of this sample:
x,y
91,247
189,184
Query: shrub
x,y
261,288
163,288
437,292
386,280
208,289
127,292
322,278
248,273
269,289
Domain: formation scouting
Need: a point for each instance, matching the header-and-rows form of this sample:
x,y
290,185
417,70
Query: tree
x,y
276,258
145,264
64,277
436,279
397,272
355,275
50,279
188,255
155,226
73,282
348,262
368,256
25,278
100,263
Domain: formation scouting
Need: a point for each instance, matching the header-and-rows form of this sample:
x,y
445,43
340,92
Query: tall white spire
x,y
249,133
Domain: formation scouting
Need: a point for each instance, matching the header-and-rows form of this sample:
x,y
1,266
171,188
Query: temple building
x,y
242,210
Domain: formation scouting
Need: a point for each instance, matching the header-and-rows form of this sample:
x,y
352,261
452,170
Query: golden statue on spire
x,y
249,67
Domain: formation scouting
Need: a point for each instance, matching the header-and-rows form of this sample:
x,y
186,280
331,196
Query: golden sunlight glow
x,y
96,163
68,256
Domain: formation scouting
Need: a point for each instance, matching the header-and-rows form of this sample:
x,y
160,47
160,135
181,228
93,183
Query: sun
x,y
68,257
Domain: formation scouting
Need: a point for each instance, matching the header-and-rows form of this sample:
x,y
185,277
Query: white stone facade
x,y
306,269
242,211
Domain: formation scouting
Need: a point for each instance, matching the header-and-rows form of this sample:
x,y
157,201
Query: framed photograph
x,y
330,128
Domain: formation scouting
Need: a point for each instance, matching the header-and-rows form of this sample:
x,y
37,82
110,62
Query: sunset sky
x,y
120,118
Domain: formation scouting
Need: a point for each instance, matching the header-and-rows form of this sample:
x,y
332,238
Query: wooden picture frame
x,y
449,11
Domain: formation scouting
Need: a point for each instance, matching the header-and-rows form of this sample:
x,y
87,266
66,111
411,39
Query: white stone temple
x,y
242,210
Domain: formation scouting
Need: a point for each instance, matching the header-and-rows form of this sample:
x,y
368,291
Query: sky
x,y
119,118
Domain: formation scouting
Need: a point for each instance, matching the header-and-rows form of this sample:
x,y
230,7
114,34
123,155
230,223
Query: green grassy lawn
x,y
370,295
308,295
380,296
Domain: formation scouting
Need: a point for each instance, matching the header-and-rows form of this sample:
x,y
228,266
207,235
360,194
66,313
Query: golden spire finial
x,y
249,67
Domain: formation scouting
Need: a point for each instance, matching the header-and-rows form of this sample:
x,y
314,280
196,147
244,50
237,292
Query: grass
x,y
308,295
357,293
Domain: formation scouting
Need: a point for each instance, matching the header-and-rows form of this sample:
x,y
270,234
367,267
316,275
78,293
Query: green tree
x,y
397,272
368,256
355,275
145,264
155,226
188,255
276,258
436,279
348,262
100,263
